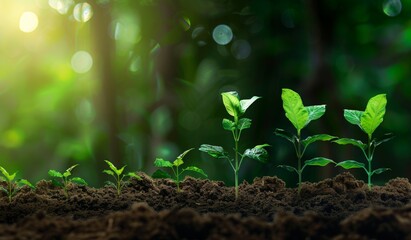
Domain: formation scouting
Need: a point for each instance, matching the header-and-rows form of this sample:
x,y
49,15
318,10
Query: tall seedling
x,y
300,116
368,121
236,108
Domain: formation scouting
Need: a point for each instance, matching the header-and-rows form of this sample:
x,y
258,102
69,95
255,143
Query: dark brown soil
x,y
339,208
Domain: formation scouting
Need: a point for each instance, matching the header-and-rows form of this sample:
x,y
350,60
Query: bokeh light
x,y
28,22
222,34
61,6
392,7
81,62
83,12
241,49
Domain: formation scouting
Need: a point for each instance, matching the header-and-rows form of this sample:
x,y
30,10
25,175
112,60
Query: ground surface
x,y
339,208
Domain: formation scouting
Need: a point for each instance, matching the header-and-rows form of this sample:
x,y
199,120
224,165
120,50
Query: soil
x,y
338,208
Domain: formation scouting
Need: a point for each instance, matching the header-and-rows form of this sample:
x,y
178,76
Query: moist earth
x,y
338,208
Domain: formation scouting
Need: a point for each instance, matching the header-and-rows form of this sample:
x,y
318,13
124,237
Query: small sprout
x,y
368,121
236,108
159,162
300,116
13,186
62,179
119,176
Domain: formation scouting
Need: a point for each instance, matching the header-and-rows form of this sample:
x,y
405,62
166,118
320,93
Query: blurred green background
x,y
132,80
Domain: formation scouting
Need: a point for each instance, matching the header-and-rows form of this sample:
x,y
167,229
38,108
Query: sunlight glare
x,y
28,22
81,62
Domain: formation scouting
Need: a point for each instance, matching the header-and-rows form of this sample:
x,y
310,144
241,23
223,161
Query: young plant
x,y
300,116
236,108
62,179
119,176
159,162
368,121
12,186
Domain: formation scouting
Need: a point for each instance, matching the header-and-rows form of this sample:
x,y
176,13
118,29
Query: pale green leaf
x,y
246,103
7,175
355,142
373,114
78,180
134,175
380,170
318,137
285,134
66,174
385,138
160,174
315,112
228,124
195,169
353,116
178,162
318,161
159,162
181,156
54,173
288,168
232,103
111,166
25,182
244,123
294,109
257,153
214,151
71,168
109,172
350,164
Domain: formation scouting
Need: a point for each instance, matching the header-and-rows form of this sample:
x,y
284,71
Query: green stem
x,y
236,169
177,180
369,159
299,156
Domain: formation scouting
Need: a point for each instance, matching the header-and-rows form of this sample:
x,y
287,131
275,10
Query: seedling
x,y
300,116
119,176
13,186
62,179
159,162
368,121
236,108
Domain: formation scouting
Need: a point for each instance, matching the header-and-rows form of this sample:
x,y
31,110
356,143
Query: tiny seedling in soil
x,y
119,176
62,179
13,186
236,108
368,121
159,162
300,116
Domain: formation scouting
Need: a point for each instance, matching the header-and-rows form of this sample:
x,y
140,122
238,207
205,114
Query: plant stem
x,y
177,180
369,159
10,193
236,169
299,156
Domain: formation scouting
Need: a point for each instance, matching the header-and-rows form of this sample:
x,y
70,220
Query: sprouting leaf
x,y
178,162
109,172
385,138
257,153
380,170
246,103
56,183
160,174
111,166
318,161
315,112
120,171
159,162
71,168
133,175
78,180
228,124
66,174
294,109
195,169
10,177
285,134
232,103
214,151
345,141
25,182
244,123
373,114
318,137
54,173
109,183
288,168
353,116
181,156
350,164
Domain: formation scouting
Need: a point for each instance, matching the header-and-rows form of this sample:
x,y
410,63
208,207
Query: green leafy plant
x,y
119,176
62,179
368,121
12,186
159,162
300,116
236,108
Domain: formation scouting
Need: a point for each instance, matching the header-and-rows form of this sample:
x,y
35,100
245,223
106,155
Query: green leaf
x,y
54,173
134,175
385,138
228,124
178,162
314,112
71,168
56,183
380,170
214,151
159,162
78,180
181,156
24,182
4,190
109,172
345,141
111,166
120,171
318,137
160,174
109,183
7,175
285,134
244,123
350,164
232,103
246,103
318,161
288,168
257,153
294,109
353,116
195,169
66,174
373,114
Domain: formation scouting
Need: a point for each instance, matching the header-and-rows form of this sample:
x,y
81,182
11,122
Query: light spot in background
x,y
200,35
61,6
81,62
82,12
135,64
392,7
222,34
185,23
28,22
85,112
241,49
161,121
12,138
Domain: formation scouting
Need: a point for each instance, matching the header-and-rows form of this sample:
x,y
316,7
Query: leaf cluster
x,y
119,176
63,179
12,186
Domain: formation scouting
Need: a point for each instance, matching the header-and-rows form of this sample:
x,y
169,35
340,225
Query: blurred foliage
x,y
132,80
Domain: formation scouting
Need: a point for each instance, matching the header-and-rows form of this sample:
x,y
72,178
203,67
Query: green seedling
x,y
13,186
119,176
368,121
300,116
159,162
62,179
236,108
